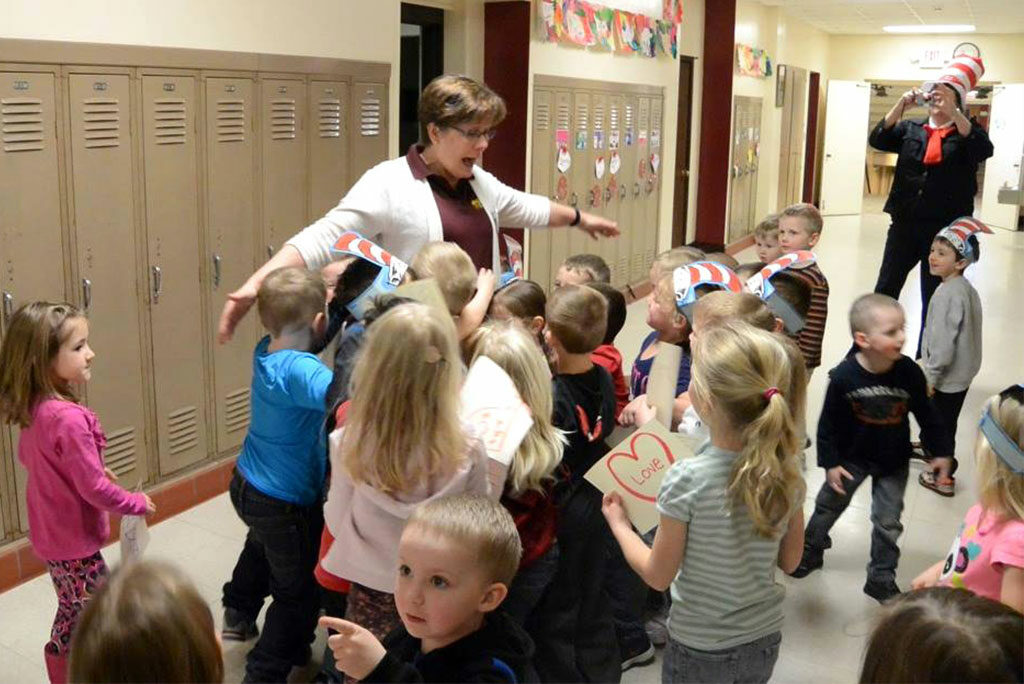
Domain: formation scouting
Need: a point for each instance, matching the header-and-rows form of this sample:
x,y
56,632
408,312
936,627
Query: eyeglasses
x,y
475,136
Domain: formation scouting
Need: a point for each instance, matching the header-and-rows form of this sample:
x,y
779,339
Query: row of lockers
x,y
598,146
145,196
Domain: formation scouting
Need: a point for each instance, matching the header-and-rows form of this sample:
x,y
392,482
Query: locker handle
x,y
607,194
158,284
574,201
86,293
270,251
622,192
636,190
216,271
8,306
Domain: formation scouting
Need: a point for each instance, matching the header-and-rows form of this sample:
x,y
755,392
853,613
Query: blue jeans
x,y
278,558
750,663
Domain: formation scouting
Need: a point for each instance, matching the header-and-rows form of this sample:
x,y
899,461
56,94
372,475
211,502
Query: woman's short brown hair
x,y
147,624
450,100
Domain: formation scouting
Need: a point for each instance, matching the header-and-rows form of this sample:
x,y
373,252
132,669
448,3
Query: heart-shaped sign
x,y
639,470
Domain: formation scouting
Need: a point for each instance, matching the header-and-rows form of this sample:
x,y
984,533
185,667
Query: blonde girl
x,y
69,492
527,489
729,515
987,556
147,624
399,442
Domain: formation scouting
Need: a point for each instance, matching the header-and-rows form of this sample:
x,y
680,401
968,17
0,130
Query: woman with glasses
x,y
435,192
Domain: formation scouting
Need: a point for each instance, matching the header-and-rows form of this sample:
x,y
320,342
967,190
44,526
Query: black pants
x,y
628,595
277,560
947,405
907,245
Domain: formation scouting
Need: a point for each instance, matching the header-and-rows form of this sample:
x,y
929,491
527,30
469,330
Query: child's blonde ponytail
x,y
741,375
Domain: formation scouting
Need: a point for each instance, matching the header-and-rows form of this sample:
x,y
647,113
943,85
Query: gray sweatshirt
x,y
951,348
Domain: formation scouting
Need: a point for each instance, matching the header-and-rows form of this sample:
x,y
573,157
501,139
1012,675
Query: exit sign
x,y
932,58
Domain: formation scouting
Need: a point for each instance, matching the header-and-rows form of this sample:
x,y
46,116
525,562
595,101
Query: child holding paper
x,y
400,442
724,616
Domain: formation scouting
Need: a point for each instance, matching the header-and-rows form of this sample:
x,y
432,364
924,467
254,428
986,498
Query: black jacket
x,y
938,193
500,651
585,409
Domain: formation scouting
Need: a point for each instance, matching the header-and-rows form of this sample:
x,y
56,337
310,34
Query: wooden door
x,y
681,188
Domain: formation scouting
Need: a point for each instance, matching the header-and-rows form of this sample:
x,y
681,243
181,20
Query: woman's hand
x,y
238,304
594,226
614,511
356,651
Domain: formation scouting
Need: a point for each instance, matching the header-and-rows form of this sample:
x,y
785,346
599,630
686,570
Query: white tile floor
x,y
827,616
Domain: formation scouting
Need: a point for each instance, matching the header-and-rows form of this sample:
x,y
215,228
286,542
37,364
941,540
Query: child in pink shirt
x,y
69,491
987,556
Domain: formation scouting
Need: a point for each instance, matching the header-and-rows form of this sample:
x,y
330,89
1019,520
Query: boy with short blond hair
x,y
279,478
864,431
467,293
800,229
581,269
456,559
766,239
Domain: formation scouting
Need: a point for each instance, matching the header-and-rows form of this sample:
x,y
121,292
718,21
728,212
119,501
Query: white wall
x,y
346,29
554,59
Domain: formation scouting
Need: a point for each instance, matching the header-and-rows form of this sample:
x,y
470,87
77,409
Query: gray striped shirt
x,y
725,592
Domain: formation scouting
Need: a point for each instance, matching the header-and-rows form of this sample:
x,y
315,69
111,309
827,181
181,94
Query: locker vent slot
x,y
330,117
282,125
183,429
120,452
542,118
169,121
369,117
22,124
598,117
563,116
102,121
236,410
230,121
581,116
629,116
613,117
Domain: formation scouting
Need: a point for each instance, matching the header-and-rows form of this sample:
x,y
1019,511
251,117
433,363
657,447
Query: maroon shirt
x,y
464,220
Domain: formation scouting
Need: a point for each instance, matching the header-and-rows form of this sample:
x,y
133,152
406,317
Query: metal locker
x,y
369,127
564,180
31,244
172,231
101,191
283,133
628,182
8,509
615,190
652,185
328,145
645,223
582,170
597,171
542,171
231,231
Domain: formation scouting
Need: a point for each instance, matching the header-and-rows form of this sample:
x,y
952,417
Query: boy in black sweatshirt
x,y
456,558
864,431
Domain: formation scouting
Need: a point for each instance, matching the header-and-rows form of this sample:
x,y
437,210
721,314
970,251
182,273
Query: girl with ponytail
x,y
730,515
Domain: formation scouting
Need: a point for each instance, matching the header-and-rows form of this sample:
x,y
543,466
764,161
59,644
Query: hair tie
x,y
771,392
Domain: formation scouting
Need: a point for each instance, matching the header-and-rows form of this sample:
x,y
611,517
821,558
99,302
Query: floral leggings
x,y
75,581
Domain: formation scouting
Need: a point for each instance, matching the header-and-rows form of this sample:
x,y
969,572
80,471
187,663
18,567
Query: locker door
x,y
231,239
542,173
283,116
644,219
369,127
597,171
564,185
8,508
752,156
172,229
735,204
653,185
582,170
628,180
328,146
615,190
101,187
31,249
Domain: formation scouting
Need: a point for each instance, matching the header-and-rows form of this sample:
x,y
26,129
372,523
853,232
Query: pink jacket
x,y
68,494
366,524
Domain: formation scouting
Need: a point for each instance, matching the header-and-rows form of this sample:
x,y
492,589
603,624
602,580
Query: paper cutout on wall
x,y
561,189
599,167
602,26
751,61
615,163
646,37
564,160
577,26
551,15
667,38
625,32
598,140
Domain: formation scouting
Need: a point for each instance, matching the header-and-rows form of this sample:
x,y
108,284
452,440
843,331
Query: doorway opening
x,y
422,60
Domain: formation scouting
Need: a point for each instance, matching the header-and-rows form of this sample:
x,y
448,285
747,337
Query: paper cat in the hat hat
x,y
761,285
961,234
961,74
392,269
701,274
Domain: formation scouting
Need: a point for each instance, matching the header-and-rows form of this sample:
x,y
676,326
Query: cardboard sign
x,y
491,404
425,292
662,380
635,469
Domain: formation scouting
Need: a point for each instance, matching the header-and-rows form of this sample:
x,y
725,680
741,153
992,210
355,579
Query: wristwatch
x,y
576,221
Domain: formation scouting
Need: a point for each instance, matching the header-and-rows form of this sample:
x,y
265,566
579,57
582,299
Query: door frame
x,y
811,144
684,130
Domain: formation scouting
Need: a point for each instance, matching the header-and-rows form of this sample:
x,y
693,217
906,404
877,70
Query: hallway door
x,y
842,172
681,198
1006,130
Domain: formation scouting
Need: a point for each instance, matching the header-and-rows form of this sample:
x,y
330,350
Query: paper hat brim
x,y
686,279
392,269
958,233
1006,449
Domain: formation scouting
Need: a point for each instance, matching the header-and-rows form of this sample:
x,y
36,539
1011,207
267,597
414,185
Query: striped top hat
x,y
962,74
760,284
686,279
958,233
392,269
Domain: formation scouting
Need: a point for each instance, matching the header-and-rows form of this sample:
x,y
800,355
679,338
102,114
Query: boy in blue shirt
x,y
279,478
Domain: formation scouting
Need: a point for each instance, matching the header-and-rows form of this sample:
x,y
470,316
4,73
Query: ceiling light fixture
x,y
930,28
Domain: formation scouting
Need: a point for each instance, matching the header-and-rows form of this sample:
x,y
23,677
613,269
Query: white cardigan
x,y
398,212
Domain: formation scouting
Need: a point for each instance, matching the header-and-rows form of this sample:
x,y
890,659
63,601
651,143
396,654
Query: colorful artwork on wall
x,y
587,24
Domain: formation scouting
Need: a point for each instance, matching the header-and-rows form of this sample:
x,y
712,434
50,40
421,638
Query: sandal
x,y
944,487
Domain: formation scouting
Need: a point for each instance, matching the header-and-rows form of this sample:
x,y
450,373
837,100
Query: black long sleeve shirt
x,y
865,417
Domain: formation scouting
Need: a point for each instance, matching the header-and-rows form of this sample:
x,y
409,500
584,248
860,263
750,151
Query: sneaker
x,y
657,631
641,653
237,627
811,561
881,591
944,487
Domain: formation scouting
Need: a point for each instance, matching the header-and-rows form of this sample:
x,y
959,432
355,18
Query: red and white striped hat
x,y
961,75
959,231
